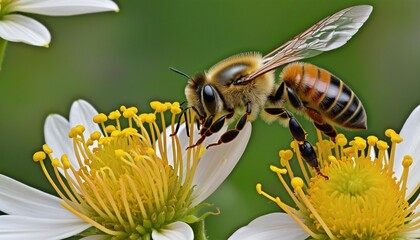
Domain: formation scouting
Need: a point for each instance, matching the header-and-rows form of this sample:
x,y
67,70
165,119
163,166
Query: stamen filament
x,y
93,223
308,204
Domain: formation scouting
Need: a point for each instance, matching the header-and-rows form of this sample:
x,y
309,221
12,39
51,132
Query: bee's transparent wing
x,y
330,33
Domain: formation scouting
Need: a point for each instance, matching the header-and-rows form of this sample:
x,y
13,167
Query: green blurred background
x,y
123,58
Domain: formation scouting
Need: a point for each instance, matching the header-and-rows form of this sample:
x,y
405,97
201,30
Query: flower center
x,y
360,199
125,183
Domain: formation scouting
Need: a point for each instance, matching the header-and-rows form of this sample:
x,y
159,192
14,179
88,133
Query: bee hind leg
x,y
319,122
298,133
295,128
231,134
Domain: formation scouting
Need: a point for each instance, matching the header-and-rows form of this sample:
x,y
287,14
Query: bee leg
x,y
321,124
308,153
229,135
204,132
306,150
294,99
278,95
183,113
327,129
295,128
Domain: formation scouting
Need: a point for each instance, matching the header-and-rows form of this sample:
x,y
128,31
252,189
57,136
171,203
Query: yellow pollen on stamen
x,y
39,156
361,198
124,186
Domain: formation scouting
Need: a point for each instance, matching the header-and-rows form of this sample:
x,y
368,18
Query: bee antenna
x,y
179,72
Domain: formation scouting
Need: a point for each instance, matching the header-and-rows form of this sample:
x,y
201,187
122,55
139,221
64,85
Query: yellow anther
x,y
114,115
168,105
359,143
105,140
47,149
65,161
73,133
297,182
76,131
175,109
161,108
294,145
278,170
286,155
100,118
95,135
119,153
147,117
259,188
176,104
382,145
154,105
341,140
372,140
80,128
348,150
332,159
390,132
39,156
396,138
122,108
55,163
129,132
151,151
89,142
116,133
408,160
130,112
110,128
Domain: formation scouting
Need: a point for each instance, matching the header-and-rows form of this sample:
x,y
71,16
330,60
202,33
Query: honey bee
x,y
244,84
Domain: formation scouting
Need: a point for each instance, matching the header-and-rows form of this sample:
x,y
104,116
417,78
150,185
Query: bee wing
x,y
330,33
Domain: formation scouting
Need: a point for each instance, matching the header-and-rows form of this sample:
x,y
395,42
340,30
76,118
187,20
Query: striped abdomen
x,y
320,90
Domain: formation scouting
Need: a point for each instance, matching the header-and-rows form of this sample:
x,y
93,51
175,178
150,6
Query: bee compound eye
x,y
209,98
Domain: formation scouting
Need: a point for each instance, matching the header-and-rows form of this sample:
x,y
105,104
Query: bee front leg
x,y
229,135
205,131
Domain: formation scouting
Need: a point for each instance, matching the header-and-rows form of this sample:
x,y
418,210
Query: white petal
x,y
410,133
56,134
62,7
217,163
18,28
19,199
184,142
81,112
174,231
271,226
22,227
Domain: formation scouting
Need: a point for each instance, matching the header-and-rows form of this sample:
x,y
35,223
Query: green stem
x,y
199,230
3,44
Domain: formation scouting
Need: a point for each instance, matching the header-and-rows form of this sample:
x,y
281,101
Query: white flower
x,y
15,27
33,214
321,212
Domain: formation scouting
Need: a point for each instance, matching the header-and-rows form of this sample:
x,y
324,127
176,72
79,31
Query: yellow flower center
x,y
124,184
360,199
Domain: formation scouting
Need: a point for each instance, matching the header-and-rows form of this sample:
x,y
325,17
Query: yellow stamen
x,y
122,183
360,200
